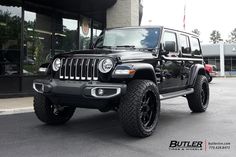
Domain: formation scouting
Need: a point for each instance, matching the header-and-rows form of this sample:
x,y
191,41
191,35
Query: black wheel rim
x,y
57,111
204,94
148,110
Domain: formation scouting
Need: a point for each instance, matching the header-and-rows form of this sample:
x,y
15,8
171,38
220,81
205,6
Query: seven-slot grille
x,y
79,69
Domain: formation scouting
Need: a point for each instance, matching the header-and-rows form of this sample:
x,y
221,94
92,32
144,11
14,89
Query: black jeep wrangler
x,y
129,70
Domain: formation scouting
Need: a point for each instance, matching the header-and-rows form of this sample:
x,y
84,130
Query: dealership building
x,y
223,56
33,31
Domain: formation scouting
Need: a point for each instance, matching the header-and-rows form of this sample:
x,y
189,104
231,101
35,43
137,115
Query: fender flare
x,y
197,69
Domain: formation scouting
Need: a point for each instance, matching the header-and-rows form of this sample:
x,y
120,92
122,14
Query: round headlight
x,y
56,64
105,65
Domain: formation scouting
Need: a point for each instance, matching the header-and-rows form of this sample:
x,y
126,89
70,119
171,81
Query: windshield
x,y
130,37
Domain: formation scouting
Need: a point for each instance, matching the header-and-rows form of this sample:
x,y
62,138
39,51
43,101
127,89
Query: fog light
x,y
105,92
100,91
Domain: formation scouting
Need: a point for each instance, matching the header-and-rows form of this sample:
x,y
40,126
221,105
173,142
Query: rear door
x,y
191,55
185,50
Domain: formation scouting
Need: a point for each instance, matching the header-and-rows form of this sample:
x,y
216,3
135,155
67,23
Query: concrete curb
x,y
16,111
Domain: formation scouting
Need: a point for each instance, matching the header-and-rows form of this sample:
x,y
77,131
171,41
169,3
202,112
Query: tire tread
x,y
128,108
194,100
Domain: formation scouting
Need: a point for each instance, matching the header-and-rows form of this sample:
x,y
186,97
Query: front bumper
x,y
84,94
85,89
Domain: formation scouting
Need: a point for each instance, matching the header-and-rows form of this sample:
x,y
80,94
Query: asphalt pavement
x,y
91,133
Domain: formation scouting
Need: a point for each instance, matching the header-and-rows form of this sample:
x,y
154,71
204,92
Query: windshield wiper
x,y
119,46
131,46
108,47
148,49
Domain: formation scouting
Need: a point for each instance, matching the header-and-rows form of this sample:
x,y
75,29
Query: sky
x,y
205,15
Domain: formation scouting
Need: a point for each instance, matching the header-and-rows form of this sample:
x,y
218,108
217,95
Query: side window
x,y
195,46
184,44
170,38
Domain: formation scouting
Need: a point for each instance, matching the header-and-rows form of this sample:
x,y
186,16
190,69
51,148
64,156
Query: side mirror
x,y
169,46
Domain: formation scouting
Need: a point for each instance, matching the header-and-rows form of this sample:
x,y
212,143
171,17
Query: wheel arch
x,y
146,74
142,71
195,70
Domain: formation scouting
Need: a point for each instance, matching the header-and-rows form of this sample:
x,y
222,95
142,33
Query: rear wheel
x,y
50,113
209,77
198,101
139,109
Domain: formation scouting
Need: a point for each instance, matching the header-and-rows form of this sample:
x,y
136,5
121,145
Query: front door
x,y
170,66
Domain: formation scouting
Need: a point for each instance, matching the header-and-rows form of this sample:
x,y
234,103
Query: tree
x,y
232,36
196,31
215,36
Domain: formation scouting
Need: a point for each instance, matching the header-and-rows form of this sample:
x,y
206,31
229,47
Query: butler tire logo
x,y
199,145
186,145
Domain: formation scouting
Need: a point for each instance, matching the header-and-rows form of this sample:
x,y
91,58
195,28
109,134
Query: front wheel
x,y
49,113
139,108
198,101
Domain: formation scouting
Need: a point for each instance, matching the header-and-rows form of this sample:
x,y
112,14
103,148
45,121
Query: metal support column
x,y
222,59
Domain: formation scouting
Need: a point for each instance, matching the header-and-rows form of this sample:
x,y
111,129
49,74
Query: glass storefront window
x,y
234,64
26,42
217,64
211,60
97,30
10,40
44,35
227,64
66,36
37,41
85,33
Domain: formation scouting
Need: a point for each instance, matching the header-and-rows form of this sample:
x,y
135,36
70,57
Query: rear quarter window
x,y
184,44
195,46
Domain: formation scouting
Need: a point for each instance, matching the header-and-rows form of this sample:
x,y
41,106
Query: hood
x,y
122,55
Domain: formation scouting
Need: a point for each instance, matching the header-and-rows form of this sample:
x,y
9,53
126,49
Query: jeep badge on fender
x,y
129,70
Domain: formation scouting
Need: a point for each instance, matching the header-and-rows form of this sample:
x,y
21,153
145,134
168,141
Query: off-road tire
x,y
198,101
131,105
44,111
